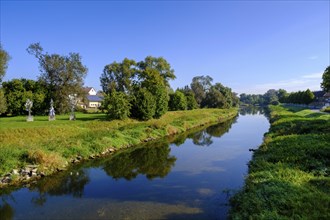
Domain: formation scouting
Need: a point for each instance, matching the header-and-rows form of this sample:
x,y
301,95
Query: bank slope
x,y
53,145
289,175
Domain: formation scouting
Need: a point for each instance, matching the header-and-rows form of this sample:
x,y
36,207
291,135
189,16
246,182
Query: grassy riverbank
x,y
52,144
289,175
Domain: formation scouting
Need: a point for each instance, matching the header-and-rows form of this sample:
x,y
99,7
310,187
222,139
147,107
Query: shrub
x,y
117,105
143,105
177,101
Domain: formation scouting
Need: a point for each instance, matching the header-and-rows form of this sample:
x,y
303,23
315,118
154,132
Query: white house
x,y
92,99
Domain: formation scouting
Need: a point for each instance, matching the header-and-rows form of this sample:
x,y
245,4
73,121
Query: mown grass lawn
x,y
51,144
289,176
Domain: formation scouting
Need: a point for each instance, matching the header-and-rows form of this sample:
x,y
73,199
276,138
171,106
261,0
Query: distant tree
x,y
308,97
152,74
282,95
62,75
118,76
143,104
4,58
117,105
160,65
200,85
177,101
190,97
270,96
325,84
214,99
17,91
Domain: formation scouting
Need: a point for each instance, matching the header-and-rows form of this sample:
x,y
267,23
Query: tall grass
x,y
52,144
289,175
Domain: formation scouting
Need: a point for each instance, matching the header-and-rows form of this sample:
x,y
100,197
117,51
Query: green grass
x,y
51,144
289,176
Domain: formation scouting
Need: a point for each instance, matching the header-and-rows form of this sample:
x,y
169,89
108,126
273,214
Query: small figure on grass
x,y
28,106
51,116
73,102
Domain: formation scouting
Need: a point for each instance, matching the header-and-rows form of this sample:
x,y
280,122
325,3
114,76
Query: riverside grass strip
x,y
53,144
289,175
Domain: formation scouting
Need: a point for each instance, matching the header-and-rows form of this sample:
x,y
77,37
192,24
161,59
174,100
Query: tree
x,y
282,95
117,105
62,75
200,85
160,65
118,76
17,91
143,105
308,97
325,84
214,99
177,101
4,58
190,97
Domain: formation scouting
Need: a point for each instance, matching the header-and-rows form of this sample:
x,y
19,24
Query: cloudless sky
x,y
250,46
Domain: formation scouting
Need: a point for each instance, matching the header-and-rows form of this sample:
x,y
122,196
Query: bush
x,y
161,98
143,105
191,101
117,105
177,101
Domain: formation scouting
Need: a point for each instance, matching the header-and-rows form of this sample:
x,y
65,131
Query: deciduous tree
x,y
62,75
4,58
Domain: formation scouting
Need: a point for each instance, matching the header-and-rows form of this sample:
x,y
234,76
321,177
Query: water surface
x,y
188,176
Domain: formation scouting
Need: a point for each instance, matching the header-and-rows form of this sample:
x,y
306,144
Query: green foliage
x,y
177,101
17,91
325,84
200,85
3,102
272,96
289,175
128,77
4,58
161,96
191,101
143,105
117,105
61,75
118,76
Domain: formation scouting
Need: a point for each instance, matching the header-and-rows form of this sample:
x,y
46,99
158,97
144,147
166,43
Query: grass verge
x,y
52,144
289,175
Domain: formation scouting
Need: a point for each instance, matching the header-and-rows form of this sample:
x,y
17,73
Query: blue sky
x,y
250,46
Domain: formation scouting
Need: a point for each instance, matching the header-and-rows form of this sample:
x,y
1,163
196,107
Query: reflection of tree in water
x,y
204,137
152,161
251,110
254,110
65,183
6,211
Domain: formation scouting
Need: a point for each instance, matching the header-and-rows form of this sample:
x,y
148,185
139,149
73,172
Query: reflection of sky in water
x,y
193,189
233,145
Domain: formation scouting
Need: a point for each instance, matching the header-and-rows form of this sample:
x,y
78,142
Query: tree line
x,y
141,90
275,97
133,89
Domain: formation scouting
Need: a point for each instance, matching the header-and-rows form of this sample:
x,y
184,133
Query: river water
x,y
190,176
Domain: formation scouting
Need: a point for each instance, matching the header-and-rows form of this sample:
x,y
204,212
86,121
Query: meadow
x,y
54,144
289,175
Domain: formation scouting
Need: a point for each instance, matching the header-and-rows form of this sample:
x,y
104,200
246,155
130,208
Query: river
x,y
190,176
